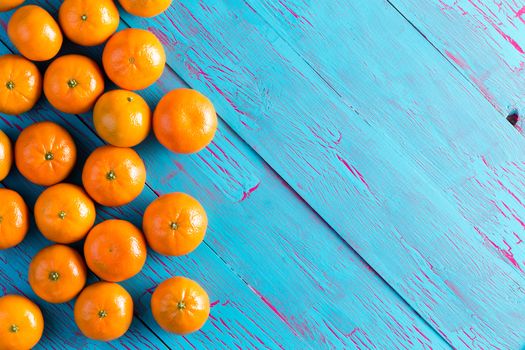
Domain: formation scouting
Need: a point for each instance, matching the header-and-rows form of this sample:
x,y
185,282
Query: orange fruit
x,y
45,153
35,33
7,5
184,121
174,224
122,118
104,311
57,273
20,83
180,305
73,83
134,59
14,218
115,250
21,323
145,8
88,22
114,176
6,155
64,213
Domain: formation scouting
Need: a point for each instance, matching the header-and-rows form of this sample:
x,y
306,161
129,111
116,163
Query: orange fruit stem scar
x,y
114,176
73,83
134,59
174,224
20,84
87,22
45,153
180,305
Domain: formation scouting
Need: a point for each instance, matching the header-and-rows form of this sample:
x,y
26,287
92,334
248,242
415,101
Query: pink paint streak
x,y
421,333
333,332
511,193
457,60
478,82
520,13
454,289
247,194
518,220
274,309
345,163
251,334
497,28
312,278
509,39
356,173
225,324
293,13
485,91
498,208
506,253
362,179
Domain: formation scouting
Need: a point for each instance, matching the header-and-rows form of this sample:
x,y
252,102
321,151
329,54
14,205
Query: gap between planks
x,y
347,245
155,193
301,58
469,81
150,188
290,188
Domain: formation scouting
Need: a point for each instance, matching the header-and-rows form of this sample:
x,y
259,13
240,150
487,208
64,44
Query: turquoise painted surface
x,y
277,275
485,40
344,133
381,124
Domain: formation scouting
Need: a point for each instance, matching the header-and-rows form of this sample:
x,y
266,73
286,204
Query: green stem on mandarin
x,y
54,276
49,155
111,175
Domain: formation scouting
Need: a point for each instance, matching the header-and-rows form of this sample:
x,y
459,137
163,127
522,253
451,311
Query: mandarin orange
x,y
35,33
184,121
45,153
20,84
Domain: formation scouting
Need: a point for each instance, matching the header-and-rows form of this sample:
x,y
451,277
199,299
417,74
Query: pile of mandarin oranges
x,y
184,121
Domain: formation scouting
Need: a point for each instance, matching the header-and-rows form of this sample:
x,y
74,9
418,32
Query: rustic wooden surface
x,y
346,131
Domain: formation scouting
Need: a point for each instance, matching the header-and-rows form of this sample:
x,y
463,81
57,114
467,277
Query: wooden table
x,y
364,190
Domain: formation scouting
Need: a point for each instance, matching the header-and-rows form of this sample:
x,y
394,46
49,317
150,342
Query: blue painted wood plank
x,y
203,265
401,146
242,191
341,302
485,40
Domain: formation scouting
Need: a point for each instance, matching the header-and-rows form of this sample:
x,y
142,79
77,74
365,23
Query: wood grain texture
x,y
203,265
405,144
261,238
485,40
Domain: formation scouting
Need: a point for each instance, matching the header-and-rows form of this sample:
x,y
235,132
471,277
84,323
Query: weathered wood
x,y
203,265
298,281
392,161
485,40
